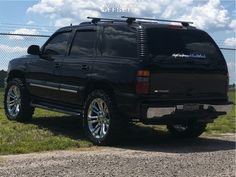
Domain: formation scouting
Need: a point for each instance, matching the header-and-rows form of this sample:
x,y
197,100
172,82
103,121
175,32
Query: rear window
x,y
179,43
119,41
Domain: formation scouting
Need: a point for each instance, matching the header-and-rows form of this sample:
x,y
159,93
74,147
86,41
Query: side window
x,y
119,41
83,43
57,45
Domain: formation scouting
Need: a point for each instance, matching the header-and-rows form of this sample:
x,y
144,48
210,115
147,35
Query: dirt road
x,y
202,157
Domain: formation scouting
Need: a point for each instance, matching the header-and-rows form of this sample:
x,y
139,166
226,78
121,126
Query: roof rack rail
x,y
132,19
98,19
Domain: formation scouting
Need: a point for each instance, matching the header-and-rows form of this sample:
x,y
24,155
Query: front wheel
x,y
17,101
188,130
101,120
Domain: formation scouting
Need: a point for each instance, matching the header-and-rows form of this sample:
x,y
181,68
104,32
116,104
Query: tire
x,y
191,130
17,101
101,119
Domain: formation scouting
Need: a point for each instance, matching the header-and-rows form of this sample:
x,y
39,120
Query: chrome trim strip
x,y
44,86
68,90
53,88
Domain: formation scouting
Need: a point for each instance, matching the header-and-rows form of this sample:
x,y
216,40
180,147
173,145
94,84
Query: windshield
x,y
180,43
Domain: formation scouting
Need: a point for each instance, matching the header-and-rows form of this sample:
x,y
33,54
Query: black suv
x,y
111,71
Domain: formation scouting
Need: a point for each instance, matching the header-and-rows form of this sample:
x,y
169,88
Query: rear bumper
x,y
177,114
162,111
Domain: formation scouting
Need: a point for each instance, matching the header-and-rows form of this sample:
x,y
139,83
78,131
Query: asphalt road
x,y
202,157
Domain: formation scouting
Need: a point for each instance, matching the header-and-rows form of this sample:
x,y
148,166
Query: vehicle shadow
x,y
146,138
69,126
136,137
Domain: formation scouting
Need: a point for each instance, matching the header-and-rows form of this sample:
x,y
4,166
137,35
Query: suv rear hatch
x,y
185,63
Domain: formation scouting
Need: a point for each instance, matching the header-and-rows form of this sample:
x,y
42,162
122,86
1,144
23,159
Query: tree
x,y
3,75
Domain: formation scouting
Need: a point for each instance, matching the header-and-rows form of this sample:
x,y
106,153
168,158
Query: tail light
x,y
142,82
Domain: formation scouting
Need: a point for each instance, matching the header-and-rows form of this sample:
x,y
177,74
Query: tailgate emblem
x,y
161,91
181,55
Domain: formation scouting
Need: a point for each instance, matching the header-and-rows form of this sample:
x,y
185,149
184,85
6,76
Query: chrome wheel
x,y
98,118
13,101
180,127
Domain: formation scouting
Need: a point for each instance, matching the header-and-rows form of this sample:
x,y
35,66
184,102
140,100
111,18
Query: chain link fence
x,y
229,55
15,45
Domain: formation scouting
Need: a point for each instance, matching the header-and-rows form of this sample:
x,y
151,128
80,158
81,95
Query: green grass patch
x,y
54,131
47,131
226,123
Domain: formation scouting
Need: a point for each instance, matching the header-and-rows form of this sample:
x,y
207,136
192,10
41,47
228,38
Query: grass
x,y
47,131
54,131
226,123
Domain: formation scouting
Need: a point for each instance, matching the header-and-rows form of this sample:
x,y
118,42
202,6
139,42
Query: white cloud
x,y
30,22
11,49
64,12
233,25
230,42
211,15
23,31
207,15
63,22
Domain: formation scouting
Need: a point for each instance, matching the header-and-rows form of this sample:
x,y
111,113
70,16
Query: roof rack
x,y
98,19
132,19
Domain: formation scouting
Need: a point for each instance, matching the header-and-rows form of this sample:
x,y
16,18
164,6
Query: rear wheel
x,y
188,130
101,120
17,101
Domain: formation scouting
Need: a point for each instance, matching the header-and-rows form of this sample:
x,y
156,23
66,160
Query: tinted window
x,y
83,43
57,45
119,41
181,43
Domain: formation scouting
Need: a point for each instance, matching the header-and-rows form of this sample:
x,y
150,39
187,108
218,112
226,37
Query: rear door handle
x,y
84,67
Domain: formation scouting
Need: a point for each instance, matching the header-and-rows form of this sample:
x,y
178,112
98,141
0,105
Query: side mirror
x,y
33,50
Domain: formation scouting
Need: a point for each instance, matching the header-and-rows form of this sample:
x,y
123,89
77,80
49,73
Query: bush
x,y
3,74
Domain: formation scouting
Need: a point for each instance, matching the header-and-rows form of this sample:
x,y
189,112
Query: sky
x,y
217,17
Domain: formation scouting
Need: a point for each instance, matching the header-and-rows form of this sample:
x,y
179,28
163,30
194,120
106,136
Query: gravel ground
x,y
202,157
